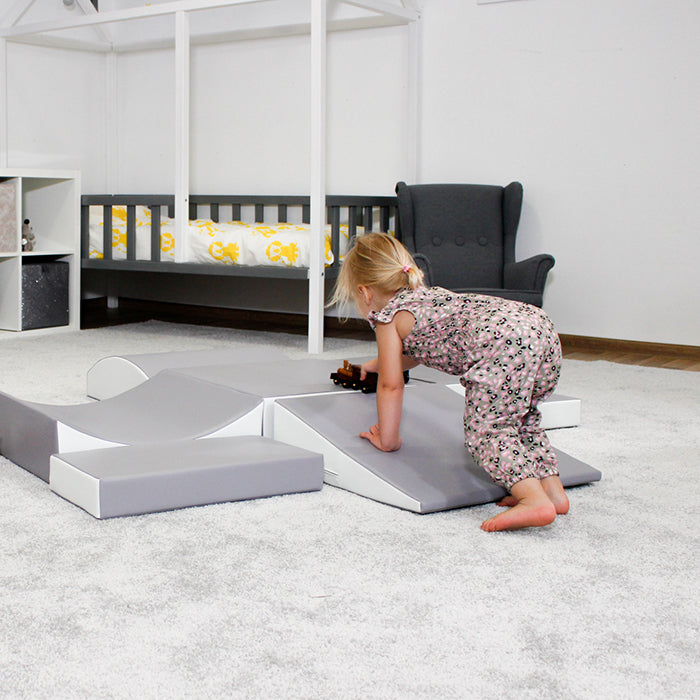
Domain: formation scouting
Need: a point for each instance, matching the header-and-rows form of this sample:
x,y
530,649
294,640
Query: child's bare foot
x,y
533,509
508,502
555,491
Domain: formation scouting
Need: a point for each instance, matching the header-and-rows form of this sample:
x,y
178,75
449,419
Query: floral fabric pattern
x,y
508,357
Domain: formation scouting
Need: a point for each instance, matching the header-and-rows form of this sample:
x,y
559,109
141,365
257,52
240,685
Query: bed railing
x,y
371,212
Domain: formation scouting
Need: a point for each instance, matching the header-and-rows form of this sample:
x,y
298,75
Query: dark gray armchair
x,y
463,237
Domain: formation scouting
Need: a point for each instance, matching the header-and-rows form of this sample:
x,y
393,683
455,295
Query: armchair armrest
x,y
423,263
528,274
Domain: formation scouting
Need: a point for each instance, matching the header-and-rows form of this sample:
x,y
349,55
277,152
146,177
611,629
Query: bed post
x,y
414,58
111,124
182,132
318,175
4,144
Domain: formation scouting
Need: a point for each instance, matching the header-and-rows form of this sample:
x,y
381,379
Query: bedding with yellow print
x,y
277,251
224,253
228,243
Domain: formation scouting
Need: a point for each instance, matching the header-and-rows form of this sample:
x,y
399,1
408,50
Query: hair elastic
x,y
406,268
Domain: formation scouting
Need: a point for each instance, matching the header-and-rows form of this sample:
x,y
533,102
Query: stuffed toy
x,y
28,237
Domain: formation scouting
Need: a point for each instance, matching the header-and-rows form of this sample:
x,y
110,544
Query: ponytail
x,y
414,276
376,260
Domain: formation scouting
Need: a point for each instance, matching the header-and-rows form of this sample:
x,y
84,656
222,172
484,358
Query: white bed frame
x,y
379,13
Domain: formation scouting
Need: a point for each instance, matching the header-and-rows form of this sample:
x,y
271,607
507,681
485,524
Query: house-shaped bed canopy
x,y
212,21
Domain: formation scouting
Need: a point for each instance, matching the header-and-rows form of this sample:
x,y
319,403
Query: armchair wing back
x,y
464,238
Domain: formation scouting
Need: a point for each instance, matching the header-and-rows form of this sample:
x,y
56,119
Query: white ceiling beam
x,y
385,8
252,33
89,9
167,8
58,42
16,12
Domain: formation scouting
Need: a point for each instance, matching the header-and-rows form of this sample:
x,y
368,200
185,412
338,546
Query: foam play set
x,y
173,430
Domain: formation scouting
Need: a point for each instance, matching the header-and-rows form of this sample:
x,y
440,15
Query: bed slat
x,y
352,225
131,232
155,233
367,218
334,220
85,230
384,217
107,232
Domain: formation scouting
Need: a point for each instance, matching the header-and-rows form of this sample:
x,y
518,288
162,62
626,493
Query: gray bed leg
x,y
112,296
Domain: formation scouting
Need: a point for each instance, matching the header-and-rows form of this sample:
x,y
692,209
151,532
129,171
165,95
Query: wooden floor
x,y
95,315
632,353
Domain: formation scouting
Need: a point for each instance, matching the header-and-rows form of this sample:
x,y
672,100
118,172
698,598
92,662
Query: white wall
x,y
55,110
591,104
250,111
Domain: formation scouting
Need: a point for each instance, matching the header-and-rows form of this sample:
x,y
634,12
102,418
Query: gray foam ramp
x,y
272,379
432,471
118,373
165,408
150,478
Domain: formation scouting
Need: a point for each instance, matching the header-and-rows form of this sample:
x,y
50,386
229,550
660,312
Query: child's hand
x,y
369,366
374,436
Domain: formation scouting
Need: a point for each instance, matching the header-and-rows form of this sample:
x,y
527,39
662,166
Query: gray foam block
x,y
272,379
118,373
165,408
149,478
432,471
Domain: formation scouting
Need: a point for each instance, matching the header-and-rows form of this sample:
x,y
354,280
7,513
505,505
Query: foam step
x,y
118,373
134,480
432,471
165,408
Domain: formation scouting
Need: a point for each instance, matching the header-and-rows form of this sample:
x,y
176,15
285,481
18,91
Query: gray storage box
x,y
44,294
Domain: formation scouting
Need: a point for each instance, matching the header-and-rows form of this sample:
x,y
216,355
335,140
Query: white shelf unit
x,y
50,199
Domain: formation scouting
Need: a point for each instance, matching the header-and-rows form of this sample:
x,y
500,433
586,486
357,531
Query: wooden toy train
x,y
348,376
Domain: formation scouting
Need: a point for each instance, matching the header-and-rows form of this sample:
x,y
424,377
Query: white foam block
x,y
141,479
558,411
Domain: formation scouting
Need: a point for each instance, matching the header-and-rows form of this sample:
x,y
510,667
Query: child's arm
x,y
385,434
373,365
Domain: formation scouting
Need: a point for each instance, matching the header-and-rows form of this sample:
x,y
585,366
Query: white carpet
x,y
329,595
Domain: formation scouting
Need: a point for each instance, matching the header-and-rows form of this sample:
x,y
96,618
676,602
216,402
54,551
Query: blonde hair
x,y
376,260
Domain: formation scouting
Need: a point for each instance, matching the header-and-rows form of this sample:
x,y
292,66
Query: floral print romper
x,y
508,357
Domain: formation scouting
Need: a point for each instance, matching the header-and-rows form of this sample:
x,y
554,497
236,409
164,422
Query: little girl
x,y
506,353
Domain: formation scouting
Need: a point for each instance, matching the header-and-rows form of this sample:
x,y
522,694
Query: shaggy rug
x,y
330,595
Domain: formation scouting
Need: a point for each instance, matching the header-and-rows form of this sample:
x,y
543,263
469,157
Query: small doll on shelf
x,y
28,237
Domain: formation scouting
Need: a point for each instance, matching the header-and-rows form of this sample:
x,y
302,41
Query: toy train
x,y
348,376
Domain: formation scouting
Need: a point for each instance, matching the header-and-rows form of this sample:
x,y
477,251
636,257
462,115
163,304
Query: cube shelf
x,y
40,288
